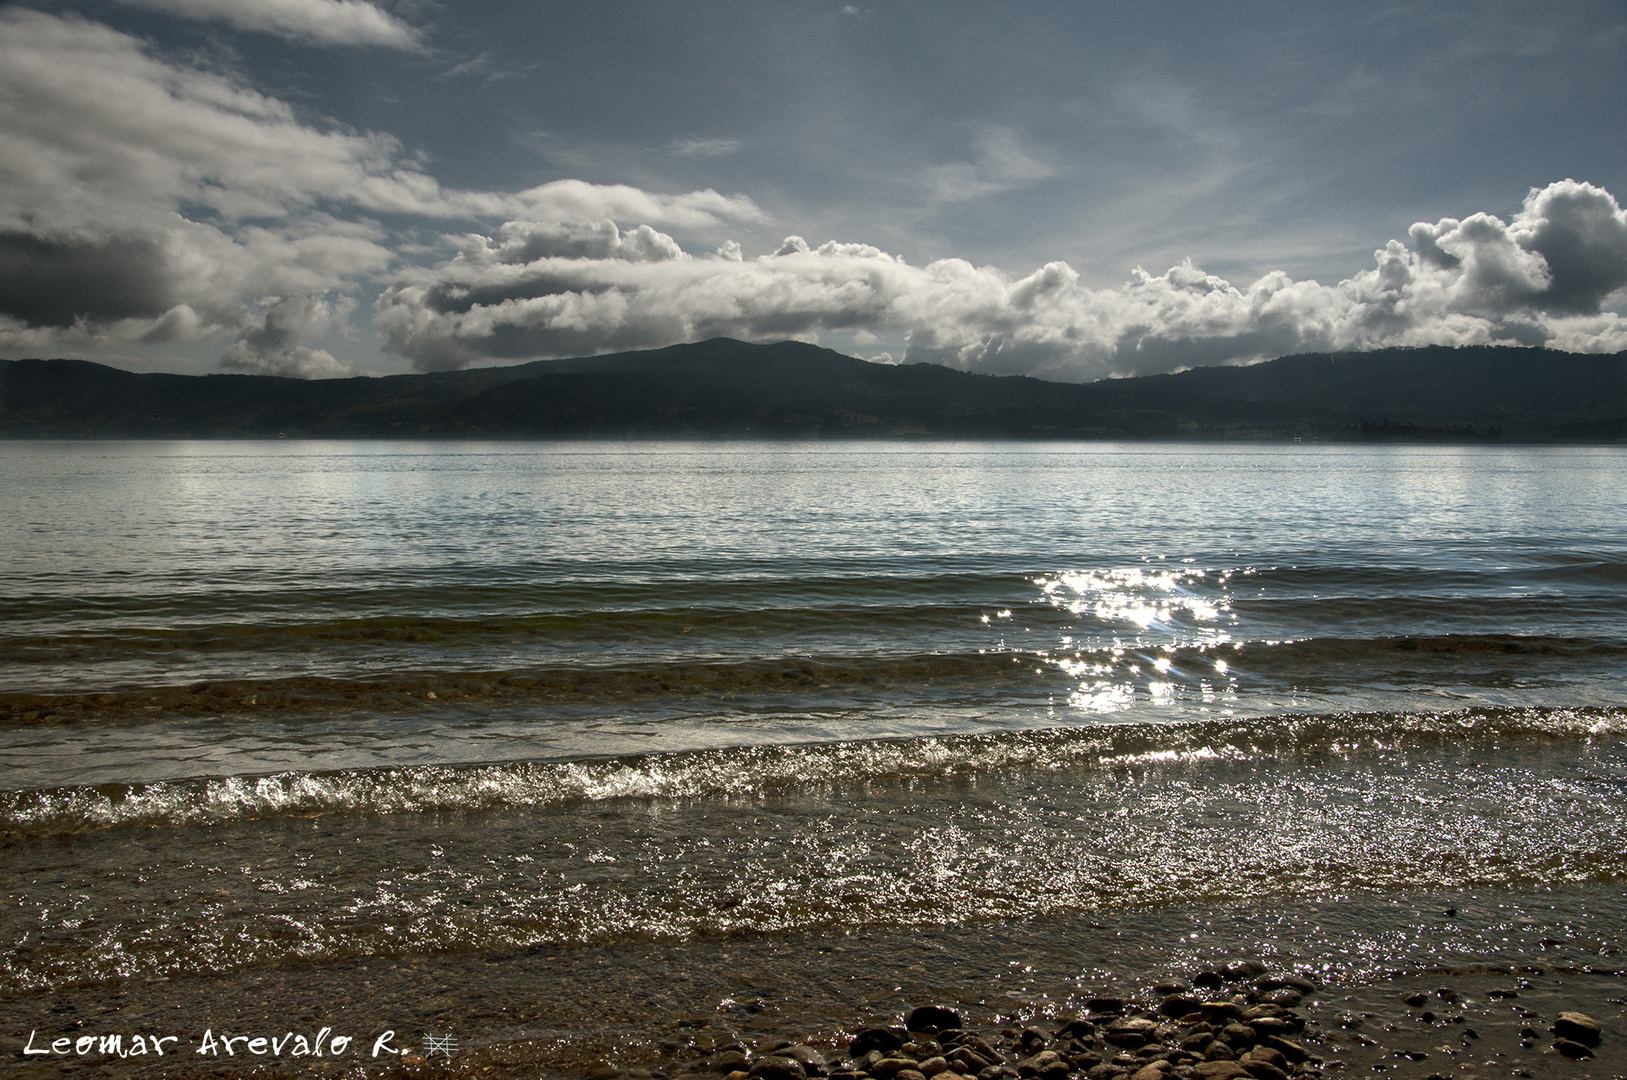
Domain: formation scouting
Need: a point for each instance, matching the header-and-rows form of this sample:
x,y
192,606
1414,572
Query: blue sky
x,y
322,187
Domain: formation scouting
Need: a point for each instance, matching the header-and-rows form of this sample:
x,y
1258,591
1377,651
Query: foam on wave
x,y
750,771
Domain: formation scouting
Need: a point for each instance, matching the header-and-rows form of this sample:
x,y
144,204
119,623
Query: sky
x,y
1076,190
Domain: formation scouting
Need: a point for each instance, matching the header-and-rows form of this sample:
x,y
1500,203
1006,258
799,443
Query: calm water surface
x,y
266,702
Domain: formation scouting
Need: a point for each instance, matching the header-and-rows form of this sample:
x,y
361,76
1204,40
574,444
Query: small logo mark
x,y
443,1044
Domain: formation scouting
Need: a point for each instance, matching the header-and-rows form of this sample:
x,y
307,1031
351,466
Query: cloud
x,y
548,289
271,346
705,148
477,65
49,281
149,201
143,200
325,22
999,163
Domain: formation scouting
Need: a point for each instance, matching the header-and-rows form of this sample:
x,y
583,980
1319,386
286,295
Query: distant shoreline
x,y
725,389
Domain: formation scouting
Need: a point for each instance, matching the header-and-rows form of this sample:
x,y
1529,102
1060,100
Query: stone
x,y
981,1045
602,1070
1079,1028
1574,1050
1244,970
1134,1023
1290,982
1207,980
1180,1004
812,1061
1238,1034
1131,1033
1105,1071
933,1066
1221,1012
1263,1070
1415,1000
776,1068
1270,1025
1285,997
1219,1051
932,1019
1289,1049
887,1068
1105,1005
1578,1027
730,1060
1039,1064
881,1039
1218,1070
1151,1072
1267,1054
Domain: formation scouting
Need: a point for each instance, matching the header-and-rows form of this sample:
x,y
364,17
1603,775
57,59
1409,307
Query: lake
x,y
278,713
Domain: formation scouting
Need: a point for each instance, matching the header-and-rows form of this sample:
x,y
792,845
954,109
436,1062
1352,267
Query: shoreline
x,y
671,1010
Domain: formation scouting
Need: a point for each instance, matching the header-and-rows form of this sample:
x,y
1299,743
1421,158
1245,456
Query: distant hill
x,y
731,388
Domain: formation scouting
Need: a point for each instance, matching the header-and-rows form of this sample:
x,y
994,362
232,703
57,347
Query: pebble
x,y
1236,1025
780,1068
727,1062
1574,1050
1219,1070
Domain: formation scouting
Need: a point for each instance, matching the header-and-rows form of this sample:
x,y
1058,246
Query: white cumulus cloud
x,y
326,22
148,201
541,289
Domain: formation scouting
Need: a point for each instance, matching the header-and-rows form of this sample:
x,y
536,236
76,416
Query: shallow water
x,y
280,703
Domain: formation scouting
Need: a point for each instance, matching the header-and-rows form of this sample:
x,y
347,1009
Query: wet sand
x,y
653,1009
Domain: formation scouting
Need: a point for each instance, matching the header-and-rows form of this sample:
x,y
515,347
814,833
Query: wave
x,y
756,770
1350,661
474,603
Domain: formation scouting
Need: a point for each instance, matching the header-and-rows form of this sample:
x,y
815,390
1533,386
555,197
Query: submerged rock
x,y
1578,1027
730,1060
1244,970
932,1019
1179,1004
883,1040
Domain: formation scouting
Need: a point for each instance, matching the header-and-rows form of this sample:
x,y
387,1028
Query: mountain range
x,y
794,390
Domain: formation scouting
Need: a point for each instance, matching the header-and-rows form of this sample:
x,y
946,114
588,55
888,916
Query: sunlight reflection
x,y
1142,633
